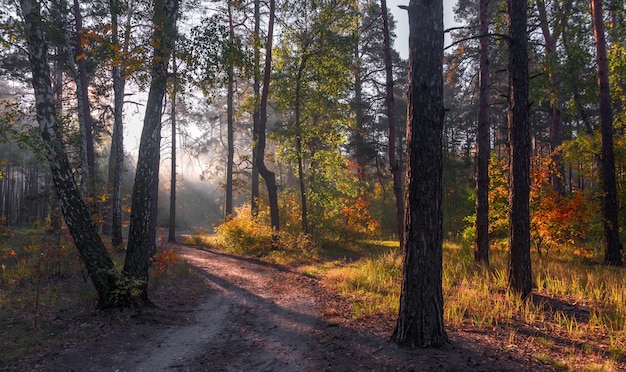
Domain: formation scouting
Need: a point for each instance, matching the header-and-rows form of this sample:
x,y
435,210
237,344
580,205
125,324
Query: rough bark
x,y
268,176
613,254
77,217
420,319
394,166
520,276
141,236
481,248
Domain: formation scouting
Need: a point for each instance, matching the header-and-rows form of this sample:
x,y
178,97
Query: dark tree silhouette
x,y
420,319
520,275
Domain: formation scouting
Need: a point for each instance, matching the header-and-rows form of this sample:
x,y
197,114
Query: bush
x,y
245,234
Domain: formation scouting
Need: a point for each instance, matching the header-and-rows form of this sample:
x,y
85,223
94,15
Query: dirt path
x,y
261,317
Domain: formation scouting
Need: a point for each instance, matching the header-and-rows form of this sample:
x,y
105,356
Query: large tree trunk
x,y
481,249
420,319
268,176
142,233
613,254
90,247
520,275
391,125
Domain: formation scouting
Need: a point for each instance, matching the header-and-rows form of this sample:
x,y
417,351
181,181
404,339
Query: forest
x,y
473,186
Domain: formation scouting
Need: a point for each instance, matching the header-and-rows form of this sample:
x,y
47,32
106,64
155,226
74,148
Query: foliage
x,y
245,233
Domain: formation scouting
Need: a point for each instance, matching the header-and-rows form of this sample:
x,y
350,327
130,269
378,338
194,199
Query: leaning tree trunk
x,y
391,125
142,233
481,249
520,275
613,254
268,176
84,233
420,319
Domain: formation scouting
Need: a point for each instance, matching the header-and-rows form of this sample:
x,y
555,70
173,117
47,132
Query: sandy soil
x,y
260,317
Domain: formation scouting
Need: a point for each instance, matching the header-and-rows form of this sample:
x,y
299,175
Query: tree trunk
x,y
613,254
172,228
116,157
142,233
90,247
556,123
391,125
254,197
228,210
299,149
82,88
420,319
520,275
268,176
481,249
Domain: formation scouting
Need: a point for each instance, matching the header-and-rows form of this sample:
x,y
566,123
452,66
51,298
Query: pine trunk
x,y
481,250
520,275
420,319
142,233
613,254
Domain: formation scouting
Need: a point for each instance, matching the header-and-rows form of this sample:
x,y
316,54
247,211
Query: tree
x,y
394,164
142,232
520,275
613,246
481,252
172,228
420,319
268,175
77,217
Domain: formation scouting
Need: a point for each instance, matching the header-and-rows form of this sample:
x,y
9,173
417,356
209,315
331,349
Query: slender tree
x,y
77,217
142,232
420,319
481,249
613,255
172,228
256,85
520,275
230,76
268,175
394,164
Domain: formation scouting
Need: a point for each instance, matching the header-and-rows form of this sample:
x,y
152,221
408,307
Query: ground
x,y
256,316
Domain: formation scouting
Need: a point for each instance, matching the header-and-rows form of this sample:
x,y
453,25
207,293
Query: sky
x,y
402,23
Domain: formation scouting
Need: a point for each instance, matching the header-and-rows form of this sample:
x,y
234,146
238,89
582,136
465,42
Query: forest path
x,y
262,317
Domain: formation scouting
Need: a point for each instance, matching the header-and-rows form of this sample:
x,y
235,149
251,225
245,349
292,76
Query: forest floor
x,y
240,314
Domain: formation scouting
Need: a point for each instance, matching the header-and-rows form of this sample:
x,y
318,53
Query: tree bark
x,y
391,125
520,275
420,319
77,217
142,233
268,176
613,254
481,249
